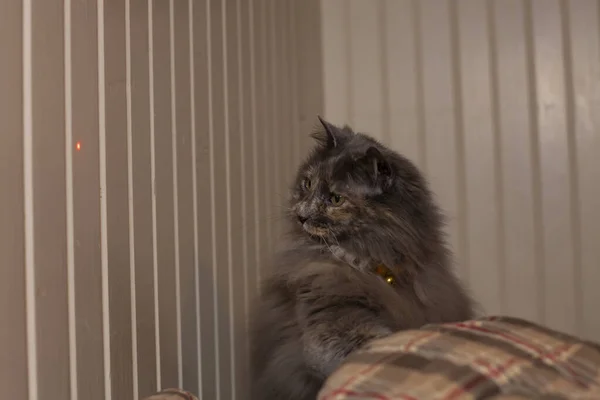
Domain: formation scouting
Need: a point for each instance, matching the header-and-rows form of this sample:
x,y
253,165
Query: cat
x,y
357,208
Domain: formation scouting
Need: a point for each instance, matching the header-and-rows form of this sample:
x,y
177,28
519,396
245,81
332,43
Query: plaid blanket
x,y
172,394
488,358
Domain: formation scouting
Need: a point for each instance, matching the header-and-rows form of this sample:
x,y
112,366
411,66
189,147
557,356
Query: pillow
x,y
487,358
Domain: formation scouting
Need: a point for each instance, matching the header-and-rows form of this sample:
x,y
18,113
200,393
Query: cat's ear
x,y
377,167
329,135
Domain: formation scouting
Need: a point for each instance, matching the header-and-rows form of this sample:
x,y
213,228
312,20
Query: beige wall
x,y
127,264
497,101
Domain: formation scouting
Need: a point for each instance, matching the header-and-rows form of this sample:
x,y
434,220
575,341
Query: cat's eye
x,y
336,199
307,184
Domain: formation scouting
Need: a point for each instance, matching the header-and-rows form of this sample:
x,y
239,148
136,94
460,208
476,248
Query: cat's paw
x,y
380,331
375,333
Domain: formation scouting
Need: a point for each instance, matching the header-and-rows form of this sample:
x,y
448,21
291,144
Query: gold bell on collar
x,y
385,274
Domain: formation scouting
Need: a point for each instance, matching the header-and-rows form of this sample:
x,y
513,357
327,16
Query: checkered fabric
x,y
172,394
488,358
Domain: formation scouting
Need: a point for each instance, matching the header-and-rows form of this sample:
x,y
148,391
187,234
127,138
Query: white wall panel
x,y
552,116
260,127
309,73
405,95
220,215
164,185
366,77
585,91
141,195
185,193
116,167
480,161
13,274
443,119
337,69
494,101
518,168
49,244
249,187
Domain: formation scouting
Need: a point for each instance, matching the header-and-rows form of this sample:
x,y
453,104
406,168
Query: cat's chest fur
x,y
335,277
314,311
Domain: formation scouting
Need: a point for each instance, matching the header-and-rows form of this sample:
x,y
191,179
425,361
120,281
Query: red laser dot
x,y
78,146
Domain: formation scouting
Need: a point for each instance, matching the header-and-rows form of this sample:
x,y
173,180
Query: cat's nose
x,y
302,219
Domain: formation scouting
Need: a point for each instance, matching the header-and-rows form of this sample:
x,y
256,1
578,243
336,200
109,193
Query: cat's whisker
x,y
327,244
331,250
336,239
284,196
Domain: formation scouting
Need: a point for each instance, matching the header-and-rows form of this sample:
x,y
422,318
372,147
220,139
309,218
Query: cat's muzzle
x,y
314,229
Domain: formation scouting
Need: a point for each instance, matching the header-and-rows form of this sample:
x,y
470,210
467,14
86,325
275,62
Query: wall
x,y
497,102
145,145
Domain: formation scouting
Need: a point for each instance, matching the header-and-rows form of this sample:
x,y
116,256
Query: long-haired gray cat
x,y
367,257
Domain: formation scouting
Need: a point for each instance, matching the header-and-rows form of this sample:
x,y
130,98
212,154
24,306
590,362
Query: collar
x,y
379,269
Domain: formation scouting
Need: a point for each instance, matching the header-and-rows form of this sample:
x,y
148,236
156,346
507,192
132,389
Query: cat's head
x,y
354,192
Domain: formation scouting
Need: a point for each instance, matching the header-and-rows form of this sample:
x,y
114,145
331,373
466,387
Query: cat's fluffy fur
x,y
354,204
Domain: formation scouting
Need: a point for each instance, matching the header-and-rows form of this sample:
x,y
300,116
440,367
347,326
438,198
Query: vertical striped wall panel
x,y
518,170
309,68
584,148
146,355
47,245
495,102
16,272
83,66
144,163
